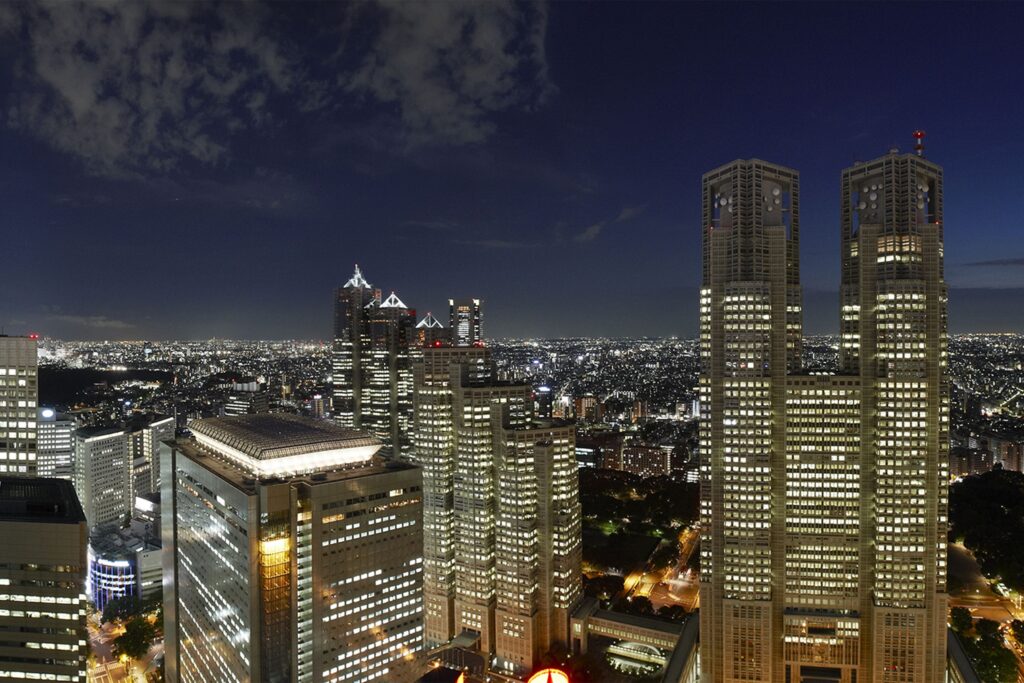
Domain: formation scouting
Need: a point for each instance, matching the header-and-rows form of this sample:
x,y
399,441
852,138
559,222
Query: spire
x,y
393,302
357,280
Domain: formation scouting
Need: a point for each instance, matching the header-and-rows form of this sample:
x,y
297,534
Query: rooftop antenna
x,y
919,142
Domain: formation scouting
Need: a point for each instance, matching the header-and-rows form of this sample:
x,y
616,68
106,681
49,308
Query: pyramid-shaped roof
x,y
393,302
429,322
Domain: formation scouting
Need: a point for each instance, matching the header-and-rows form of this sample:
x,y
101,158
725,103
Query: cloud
x,y
447,65
91,321
138,88
1015,261
591,232
145,89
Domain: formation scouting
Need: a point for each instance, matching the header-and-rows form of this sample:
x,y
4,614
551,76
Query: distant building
x,y
145,434
964,462
314,545
56,444
430,332
466,321
103,474
246,398
646,461
543,402
19,378
43,539
372,364
317,406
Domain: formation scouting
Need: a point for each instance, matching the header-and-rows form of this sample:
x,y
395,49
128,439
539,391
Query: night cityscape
x,y
511,342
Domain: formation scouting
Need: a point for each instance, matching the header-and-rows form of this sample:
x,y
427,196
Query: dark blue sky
x,y
189,171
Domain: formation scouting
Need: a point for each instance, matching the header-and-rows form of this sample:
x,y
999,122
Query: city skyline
x,y
509,184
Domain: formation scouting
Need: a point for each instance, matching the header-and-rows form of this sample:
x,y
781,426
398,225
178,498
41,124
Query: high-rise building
x,y
466,321
538,539
56,444
295,553
245,398
145,434
372,364
19,389
430,332
43,538
103,474
822,500
501,510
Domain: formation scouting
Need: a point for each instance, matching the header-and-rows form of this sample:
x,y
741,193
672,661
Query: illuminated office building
x,y
822,496
466,321
372,364
103,474
43,538
56,444
501,510
294,554
430,332
18,396
145,434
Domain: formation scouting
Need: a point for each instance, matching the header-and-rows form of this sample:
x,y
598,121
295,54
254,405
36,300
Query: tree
x,y
960,619
988,631
1017,629
119,609
135,641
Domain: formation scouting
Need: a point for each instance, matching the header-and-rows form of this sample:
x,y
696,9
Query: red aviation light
x,y
549,676
34,336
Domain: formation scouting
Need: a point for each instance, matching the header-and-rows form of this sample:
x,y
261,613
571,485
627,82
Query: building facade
x,y
466,321
19,392
145,434
823,496
313,543
42,581
56,444
502,533
103,474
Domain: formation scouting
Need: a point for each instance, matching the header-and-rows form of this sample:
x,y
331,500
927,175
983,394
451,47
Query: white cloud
x,y
447,65
91,321
141,88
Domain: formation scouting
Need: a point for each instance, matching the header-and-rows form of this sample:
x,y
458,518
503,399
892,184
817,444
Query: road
x,y
678,585
104,667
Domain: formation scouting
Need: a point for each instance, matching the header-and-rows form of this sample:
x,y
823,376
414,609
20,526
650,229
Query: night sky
x,y
184,171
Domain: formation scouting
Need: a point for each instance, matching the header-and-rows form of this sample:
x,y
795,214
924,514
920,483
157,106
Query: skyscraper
x,y
294,553
372,364
145,434
501,510
56,444
466,321
103,474
822,503
43,539
18,396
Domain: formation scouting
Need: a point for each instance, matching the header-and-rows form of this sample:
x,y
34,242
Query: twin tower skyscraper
x,y
824,496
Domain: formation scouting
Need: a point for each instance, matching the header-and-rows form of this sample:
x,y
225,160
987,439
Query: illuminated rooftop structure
x,y
277,444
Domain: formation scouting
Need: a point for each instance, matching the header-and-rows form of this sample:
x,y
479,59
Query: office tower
x,y
18,396
43,536
434,431
145,434
430,332
538,539
466,321
312,542
823,505
56,444
350,301
317,406
103,474
501,510
894,341
372,364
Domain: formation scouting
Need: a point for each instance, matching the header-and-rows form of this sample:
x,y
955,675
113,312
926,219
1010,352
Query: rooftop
x,y
276,444
39,499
